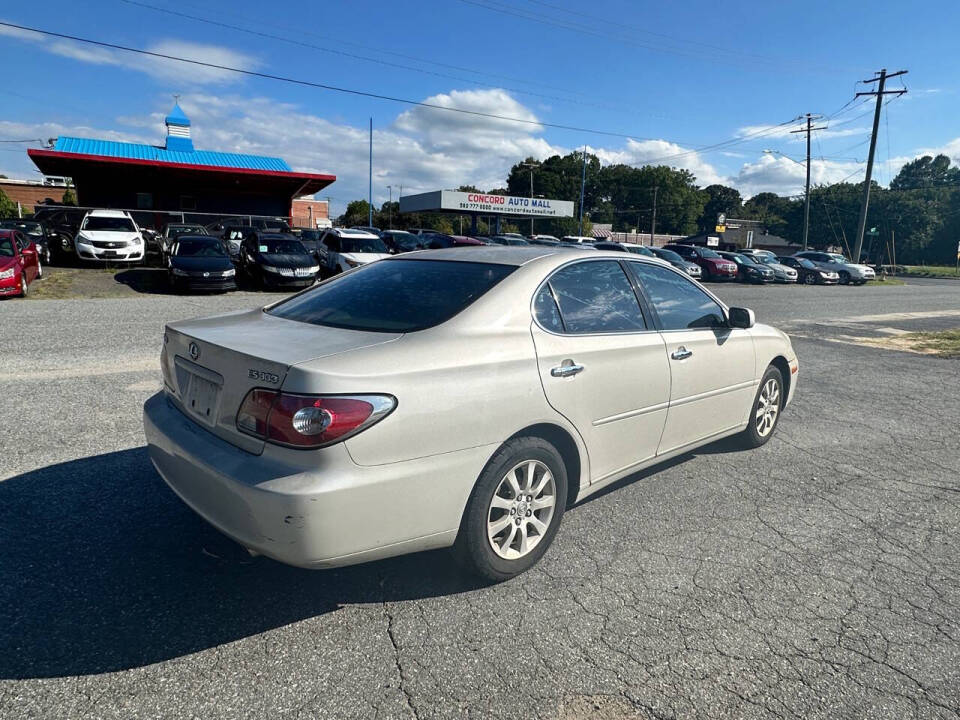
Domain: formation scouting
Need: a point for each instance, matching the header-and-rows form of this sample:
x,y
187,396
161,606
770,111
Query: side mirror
x,y
739,317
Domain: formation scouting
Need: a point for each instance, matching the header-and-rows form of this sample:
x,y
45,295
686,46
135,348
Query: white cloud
x,y
184,74
661,152
423,149
786,132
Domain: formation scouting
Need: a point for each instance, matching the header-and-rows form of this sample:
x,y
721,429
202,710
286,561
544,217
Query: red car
x,y
19,263
713,266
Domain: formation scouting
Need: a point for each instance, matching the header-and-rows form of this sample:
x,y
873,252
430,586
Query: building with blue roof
x,y
176,176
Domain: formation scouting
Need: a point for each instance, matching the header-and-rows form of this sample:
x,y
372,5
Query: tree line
x,y
918,214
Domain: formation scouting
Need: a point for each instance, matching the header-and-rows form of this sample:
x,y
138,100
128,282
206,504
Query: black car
x,y
401,241
277,260
748,270
808,273
36,232
311,241
172,231
200,262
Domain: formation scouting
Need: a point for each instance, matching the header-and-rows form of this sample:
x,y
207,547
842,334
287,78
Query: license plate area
x,y
201,399
199,390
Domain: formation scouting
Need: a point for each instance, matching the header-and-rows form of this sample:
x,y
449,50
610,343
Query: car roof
x,y
518,255
351,232
108,213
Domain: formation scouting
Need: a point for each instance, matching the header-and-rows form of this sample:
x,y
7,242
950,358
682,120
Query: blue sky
x,y
674,76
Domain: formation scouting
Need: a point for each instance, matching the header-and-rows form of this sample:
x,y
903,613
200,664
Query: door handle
x,y
681,353
566,369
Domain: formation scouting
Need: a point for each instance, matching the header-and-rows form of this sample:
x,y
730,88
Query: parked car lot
x,y
680,589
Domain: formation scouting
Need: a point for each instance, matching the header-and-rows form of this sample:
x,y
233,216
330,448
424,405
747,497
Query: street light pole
x,y
390,206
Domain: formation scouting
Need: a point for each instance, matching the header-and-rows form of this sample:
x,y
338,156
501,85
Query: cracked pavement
x,y
815,577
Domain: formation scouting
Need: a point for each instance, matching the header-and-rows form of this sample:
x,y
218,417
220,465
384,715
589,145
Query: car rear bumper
x,y
315,508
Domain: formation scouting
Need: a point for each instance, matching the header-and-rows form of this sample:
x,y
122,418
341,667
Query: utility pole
x,y
806,205
583,184
390,206
882,77
653,220
370,187
531,166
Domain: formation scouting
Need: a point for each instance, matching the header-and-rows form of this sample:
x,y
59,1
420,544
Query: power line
x,y
343,53
722,55
390,98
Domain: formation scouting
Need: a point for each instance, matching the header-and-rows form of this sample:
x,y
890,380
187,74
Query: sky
x,y
712,87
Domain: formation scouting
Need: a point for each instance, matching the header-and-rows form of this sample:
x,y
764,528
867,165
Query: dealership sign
x,y
483,204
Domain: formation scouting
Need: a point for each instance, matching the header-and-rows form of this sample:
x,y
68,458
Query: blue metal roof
x,y
177,117
152,153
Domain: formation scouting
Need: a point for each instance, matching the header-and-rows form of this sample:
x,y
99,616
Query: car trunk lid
x,y
209,365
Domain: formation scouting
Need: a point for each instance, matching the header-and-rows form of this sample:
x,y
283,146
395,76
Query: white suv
x,y
348,248
109,235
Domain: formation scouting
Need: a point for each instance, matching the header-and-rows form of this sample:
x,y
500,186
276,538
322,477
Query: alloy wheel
x,y
521,509
768,407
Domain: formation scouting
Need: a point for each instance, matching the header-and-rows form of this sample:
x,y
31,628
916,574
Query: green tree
x,y
357,213
8,208
69,197
926,172
720,199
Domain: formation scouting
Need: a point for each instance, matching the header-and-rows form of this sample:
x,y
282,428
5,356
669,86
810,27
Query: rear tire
x,y
514,511
765,410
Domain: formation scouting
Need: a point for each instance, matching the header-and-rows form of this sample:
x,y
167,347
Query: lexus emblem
x,y
194,350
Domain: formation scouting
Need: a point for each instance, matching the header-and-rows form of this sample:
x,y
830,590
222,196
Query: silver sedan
x,y
450,398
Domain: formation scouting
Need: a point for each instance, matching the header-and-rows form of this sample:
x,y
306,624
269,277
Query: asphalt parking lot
x,y
817,576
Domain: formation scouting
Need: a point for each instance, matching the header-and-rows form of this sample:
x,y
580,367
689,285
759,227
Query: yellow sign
x,y
720,228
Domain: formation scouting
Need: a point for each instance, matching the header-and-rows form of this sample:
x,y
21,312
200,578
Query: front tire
x,y
514,511
809,280
39,269
765,411
24,287
844,277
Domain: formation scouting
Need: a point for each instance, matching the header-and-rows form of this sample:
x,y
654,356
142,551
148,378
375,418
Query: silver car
x,y
444,398
849,272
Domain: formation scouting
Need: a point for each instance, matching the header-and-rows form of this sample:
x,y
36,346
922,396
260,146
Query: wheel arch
x,y
781,364
566,445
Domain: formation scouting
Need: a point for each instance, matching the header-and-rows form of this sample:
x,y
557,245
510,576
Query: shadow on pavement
x,y
104,569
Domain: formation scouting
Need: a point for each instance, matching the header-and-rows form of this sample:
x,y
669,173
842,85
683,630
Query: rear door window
x,y
595,297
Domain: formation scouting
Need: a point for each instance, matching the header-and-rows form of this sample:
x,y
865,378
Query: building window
x,y
144,201
188,202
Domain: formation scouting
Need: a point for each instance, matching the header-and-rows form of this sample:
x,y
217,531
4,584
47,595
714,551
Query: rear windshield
x,y
199,247
114,224
394,296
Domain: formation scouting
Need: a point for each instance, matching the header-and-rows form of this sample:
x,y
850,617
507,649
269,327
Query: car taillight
x,y
309,421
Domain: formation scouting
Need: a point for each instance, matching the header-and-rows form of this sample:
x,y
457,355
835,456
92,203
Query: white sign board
x,y
453,201
713,241
749,238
